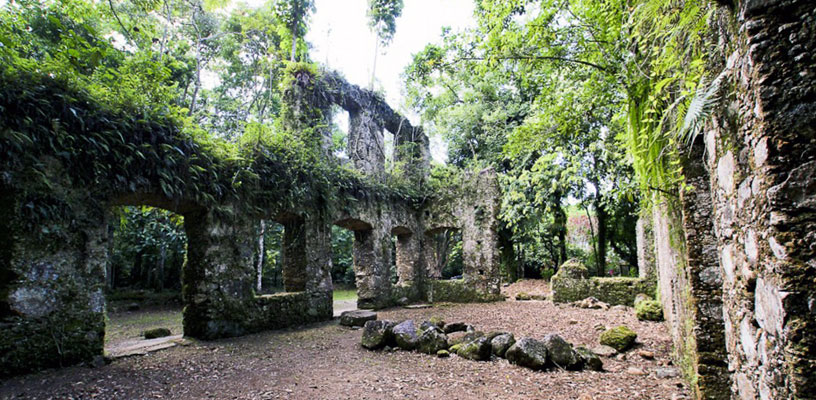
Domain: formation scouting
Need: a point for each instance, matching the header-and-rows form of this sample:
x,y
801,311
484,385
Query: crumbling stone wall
x,y
734,252
761,154
53,267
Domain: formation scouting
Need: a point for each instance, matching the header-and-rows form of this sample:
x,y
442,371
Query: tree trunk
x,y
508,254
602,216
560,221
259,264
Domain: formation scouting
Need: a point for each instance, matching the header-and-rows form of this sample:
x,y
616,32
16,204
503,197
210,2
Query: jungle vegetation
x,y
583,106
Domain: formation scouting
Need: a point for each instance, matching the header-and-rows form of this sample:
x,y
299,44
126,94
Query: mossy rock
x,y
619,338
156,333
573,269
522,296
649,310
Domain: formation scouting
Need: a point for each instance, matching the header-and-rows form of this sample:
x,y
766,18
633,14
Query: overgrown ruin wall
x,y
53,206
743,262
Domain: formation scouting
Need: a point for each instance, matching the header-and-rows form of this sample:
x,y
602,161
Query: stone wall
x,y
734,252
572,283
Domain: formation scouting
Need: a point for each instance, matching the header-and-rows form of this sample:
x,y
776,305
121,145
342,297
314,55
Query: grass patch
x,y
344,294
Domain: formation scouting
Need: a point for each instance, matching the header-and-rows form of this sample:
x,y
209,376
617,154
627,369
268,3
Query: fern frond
x,y
700,108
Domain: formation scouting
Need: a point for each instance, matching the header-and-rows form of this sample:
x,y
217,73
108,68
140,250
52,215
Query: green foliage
x,y
382,18
342,256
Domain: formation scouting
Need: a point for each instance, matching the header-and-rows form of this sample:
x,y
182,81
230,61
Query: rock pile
x,y
436,337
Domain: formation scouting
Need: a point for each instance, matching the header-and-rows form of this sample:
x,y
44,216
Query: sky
x,y
341,39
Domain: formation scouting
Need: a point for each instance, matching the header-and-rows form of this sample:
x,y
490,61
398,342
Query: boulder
x,y
523,296
649,310
156,333
405,335
528,353
573,269
478,349
455,327
432,340
463,337
357,317
619,338
604,351
561,353
443,354
641,297
501,343
377,334
589,359
591,303
438,321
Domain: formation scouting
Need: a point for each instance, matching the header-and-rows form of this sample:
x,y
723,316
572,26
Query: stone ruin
x,y
52,304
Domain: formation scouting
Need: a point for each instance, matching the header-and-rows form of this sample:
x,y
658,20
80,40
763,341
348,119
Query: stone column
x,y
372,261
480,239
293,255
217,280
646,248
366,148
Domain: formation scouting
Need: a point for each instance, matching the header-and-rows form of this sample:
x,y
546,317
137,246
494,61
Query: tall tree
x,y
382,19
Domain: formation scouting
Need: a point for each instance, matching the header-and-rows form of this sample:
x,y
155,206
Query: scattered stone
x,y
528,353
438,321
561,353
619,338
667,372
641,297
443,354
478,349
589,358
649,310
156,333
432,340
405,334
621,357
377,334
501,343
417,306
604,351
600,327
649,355
357,317
455,327
573,322
636,371
592,303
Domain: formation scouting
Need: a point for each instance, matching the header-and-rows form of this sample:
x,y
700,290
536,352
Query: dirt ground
x,y
325,361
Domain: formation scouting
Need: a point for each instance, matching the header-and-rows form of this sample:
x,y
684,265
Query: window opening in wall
x,y
447,249
345,289
268,258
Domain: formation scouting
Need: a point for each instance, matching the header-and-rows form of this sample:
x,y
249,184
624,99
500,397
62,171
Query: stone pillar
x,y
372,262
217,280
53,305
317,232
293,255
480,238
646,248
366,148
408,251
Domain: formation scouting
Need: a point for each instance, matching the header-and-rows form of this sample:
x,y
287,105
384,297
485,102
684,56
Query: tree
x,y
293,17
382,18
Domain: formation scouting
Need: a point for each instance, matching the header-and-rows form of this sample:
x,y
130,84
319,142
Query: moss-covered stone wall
x,y
569,285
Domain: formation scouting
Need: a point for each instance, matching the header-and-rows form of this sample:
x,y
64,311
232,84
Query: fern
x,y
700,108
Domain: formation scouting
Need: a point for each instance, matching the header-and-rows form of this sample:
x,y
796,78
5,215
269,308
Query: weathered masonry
x,y
71,161
736,252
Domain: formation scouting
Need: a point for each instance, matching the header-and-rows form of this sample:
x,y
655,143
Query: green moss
x,y
619,338
649,310
522,296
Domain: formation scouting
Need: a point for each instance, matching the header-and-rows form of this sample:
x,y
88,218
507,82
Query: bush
x,y
649,310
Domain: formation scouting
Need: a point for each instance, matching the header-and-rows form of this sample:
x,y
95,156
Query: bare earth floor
x,y
325,361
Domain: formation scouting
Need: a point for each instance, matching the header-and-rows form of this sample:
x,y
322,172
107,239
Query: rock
x,y
573,269
528,353
619,338
649,310
592,303
539,297
590,359
561,353
604,351
641,297
455,327
620,307
402,301
522,296
405,335
463,337
600,327
667,372
443,354
98,361
357,317
649,355
377,334
478,349
501,343
621,357
156,333
636,371
573,322
432,340
438,321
